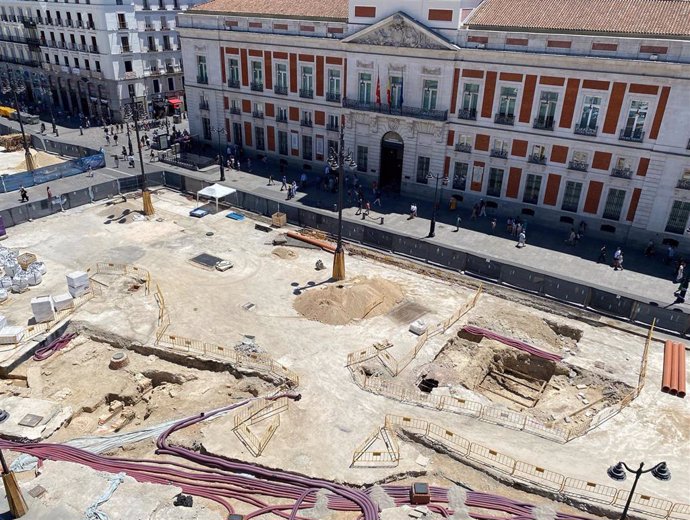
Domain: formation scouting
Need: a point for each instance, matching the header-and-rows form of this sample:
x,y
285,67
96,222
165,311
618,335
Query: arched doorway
x,y
392,150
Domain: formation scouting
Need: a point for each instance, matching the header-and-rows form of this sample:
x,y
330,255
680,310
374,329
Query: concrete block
x,y
76,292
11,335
77,279
63,301
418,327
3,321
43,308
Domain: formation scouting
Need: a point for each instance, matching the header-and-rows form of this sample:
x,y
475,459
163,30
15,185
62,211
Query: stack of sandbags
x,y
43,309
78,283
63,301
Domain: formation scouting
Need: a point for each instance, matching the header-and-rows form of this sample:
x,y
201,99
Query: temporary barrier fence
x,y
539,476
389,455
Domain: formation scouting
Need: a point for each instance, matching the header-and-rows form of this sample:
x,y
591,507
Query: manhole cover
x,y
206,260
31,420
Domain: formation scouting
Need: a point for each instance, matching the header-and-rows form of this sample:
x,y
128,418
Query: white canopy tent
x,y
215,191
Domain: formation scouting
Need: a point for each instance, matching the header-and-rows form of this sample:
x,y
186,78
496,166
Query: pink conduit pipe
x,y
516,343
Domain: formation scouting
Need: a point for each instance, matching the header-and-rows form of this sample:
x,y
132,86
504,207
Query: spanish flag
x,y
378,90
388,91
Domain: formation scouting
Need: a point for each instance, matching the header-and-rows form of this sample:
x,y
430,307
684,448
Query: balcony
x,y
152,48
233,83
122,27
306,93
536,158
543,124
149,27
463,147
93,49
235,110
281,118
306,122
504,119
417,113
258,114
332,127
203,104
125,49
257,86
683,184
168,48
69,23
333,97
281,90
146,7
20,61
468,113
622,173
632,136
203,80
579,166
165,27
585,130
501,154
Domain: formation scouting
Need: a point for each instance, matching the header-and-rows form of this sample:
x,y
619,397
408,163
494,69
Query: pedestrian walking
x,y
367,209
81,130
509,225
493,225
107,139
270,180
413,210
670,253
482,208
283,186
377,197
601,259
50,193
360,203
115,139
649,251
681,272
475,211
518,229
571,241
522,238
23,194
618,260
249,165
303,180
680,293
458,221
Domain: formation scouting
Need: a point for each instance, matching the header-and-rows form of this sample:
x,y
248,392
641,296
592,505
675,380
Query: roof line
x,y
267,16
556,31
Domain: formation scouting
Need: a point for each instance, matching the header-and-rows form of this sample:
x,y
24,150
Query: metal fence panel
x,y
446,257
565,290
353,232
483,267
40,209
173,180
129,184
104,190
667,319
411,247
20,214
522,278
610,303
377,238
155,179
77,198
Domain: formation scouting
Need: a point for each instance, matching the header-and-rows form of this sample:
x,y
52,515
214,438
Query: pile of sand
x,y
357,299
285,253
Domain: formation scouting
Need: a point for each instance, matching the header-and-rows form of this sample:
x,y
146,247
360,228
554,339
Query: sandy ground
x,y
15,162
318,434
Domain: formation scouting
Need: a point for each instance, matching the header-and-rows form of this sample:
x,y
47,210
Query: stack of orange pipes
x,y
673,378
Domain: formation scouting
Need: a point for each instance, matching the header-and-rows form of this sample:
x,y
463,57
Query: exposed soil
x,y
357,299
285,253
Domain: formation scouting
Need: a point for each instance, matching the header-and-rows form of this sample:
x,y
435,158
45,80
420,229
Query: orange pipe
x,y
674,370
314,241
681,370
666,375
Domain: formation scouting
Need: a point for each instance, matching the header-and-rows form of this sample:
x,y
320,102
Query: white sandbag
x,y
38,266
3,321
4,295
11,268
6,282
34,278
19,284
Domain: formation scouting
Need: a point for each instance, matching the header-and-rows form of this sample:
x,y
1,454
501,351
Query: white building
x,y
527,104
91,58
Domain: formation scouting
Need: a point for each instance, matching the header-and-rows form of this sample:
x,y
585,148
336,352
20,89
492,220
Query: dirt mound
x,y
357,299
284,253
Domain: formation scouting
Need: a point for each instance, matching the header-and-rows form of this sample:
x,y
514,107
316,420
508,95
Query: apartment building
x,y
91,58
537,108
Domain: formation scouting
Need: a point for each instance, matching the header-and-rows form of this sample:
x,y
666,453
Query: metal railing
x,y
332,128
504,119
501,154
580,166
683,184
122,27
333,96
623,173
281,118
258,114
463,147
537,159
203,105
281,90
235,110
467,113
306,93
202,79
417,113
634,136
233,83
125,49
257,86
543,124
306,122
585,130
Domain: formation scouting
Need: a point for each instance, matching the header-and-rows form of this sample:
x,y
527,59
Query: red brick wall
x,y
481,142
519,148
553,184
527,98
593,197
614,110
634,200
601,160
319,76
643,166
441,15
659,114
513,186
569,103
559,154
362,11
248,134
489,91
454,94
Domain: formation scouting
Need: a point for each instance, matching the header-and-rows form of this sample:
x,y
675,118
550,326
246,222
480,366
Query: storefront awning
x,y
175,102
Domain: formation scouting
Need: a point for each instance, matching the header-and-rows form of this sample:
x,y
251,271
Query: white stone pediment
x,y
399,30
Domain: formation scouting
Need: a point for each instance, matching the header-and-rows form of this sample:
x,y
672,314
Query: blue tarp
x,y
50,173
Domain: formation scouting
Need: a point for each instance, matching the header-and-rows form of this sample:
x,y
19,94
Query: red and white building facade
x,y
580,122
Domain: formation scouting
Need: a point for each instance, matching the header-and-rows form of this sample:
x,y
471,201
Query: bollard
x,y
382,221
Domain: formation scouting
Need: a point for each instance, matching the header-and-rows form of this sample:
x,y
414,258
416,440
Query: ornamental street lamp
x,y
432,225
220,131
338,160
618,472
133,112
10,85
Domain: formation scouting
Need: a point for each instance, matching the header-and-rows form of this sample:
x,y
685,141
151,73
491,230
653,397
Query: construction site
x,y
168,366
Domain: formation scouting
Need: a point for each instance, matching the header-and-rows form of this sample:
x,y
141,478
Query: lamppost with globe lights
x,y
337,160
432,225
10,85
133,112
618,472
220,131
